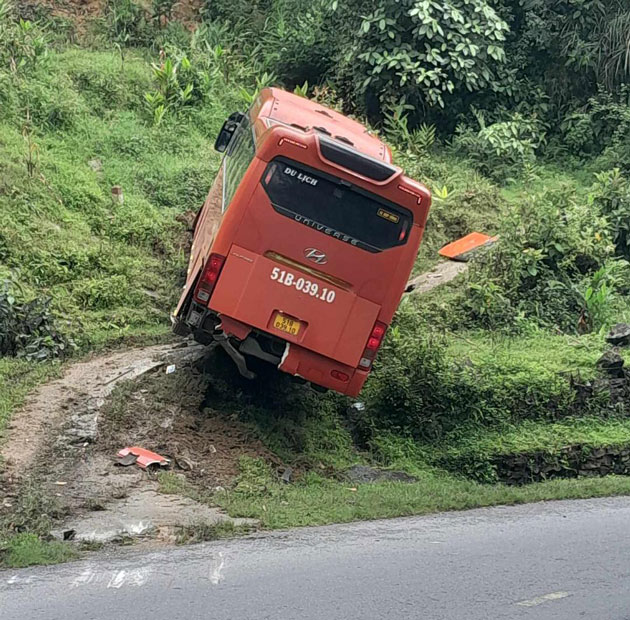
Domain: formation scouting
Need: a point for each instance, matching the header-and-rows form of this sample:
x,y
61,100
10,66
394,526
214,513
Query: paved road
x,y
561,561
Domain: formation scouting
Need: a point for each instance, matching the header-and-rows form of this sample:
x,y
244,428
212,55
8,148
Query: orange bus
x,y
304,245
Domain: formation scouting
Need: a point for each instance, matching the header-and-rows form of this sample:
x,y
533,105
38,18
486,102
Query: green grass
x,y
532,436
26,549
532,352
319,502
113,271
17,378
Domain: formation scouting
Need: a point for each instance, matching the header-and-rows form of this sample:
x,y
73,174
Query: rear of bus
x,y
312,255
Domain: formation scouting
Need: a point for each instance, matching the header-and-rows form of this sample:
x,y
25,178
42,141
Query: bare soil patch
x,y
80,389
66,437
443,272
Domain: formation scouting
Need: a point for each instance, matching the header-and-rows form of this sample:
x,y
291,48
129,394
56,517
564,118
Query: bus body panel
x,y
336,329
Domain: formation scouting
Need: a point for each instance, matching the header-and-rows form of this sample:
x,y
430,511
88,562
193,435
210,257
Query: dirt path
x,y
443,272
80,392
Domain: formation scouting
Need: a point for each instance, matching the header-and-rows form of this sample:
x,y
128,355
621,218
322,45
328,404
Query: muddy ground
x,y
64,443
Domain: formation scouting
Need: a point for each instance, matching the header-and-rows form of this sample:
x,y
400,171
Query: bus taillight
x,y
208,278
373,344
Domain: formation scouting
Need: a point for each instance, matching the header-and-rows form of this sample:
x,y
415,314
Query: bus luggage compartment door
x,y
294,305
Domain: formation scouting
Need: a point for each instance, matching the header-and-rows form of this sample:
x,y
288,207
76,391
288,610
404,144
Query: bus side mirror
x,y
227,131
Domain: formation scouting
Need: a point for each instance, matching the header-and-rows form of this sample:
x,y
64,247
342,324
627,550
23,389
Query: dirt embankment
x,y
82,12
65,439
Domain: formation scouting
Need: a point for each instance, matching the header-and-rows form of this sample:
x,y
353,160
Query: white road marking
x,y
216,571
17,580
552,596
118,579
136,577
86,577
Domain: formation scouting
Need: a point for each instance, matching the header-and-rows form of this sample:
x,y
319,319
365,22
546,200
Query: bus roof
x,y
289,109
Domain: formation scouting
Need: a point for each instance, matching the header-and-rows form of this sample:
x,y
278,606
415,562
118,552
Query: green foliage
x,y
254,479
611,195
421,51
28,329
127,23
420,388
25,531
502,147
601,128
548,243
172,92
22,44
162,11
418,141
28,549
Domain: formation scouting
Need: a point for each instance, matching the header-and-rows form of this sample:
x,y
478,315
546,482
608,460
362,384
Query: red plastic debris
x,y
461,249
144,458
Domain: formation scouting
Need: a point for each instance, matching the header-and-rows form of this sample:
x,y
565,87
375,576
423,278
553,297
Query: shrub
x,y
127,23
28,328
22,44
611,195
420,388
502,147
601,128
549,244
422,52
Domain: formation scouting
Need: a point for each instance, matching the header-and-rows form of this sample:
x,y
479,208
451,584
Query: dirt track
x,y
82,386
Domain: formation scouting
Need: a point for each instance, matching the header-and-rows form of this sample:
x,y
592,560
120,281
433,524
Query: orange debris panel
x,y
143,458
462,249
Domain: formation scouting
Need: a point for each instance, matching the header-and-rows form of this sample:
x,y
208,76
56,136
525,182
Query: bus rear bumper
x,y
322,371
295,360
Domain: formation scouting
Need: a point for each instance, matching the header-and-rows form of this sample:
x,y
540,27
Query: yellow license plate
x,y
285,324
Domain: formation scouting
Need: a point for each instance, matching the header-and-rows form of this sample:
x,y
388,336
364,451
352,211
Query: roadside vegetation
x,y
517,117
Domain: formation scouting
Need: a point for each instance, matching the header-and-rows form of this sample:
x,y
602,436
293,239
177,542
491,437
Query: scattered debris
x,y
286,475
69,534
183,463
170,369
96,165
127,460
463,249
141,457
619,335
363,473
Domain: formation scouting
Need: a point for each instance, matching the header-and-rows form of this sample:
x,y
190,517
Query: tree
x,y
421,51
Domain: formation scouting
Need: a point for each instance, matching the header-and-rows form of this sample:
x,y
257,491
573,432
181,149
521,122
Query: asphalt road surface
x,y
560,560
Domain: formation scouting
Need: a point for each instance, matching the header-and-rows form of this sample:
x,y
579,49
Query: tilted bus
x,y
304,245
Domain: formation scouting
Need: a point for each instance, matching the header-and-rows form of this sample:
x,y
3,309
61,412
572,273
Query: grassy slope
x,y
112,271
324,501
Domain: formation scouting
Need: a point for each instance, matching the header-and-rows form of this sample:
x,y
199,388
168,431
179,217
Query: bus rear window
x,y
334,207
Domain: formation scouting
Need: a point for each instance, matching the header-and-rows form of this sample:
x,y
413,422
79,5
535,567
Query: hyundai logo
x,y
316,256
